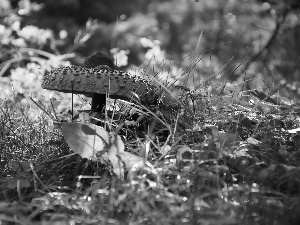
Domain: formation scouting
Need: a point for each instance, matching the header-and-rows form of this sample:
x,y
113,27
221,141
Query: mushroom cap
x,y
95,76
81,80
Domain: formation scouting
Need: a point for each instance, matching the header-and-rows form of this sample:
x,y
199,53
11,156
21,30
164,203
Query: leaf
x,y
130,123
264,97
131,160
253,141
83,117
85,139
118,157
224,139
212,130
165,149
15,182
294,131
55,103
19,166
228,139
145,148
116,147
133,163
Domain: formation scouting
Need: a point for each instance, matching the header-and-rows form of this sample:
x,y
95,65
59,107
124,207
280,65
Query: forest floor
x,y
214,161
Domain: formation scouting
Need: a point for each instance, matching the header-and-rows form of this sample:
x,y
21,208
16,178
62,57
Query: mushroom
x,y
97,77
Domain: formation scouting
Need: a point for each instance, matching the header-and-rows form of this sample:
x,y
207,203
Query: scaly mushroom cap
x,y
81,80
102,80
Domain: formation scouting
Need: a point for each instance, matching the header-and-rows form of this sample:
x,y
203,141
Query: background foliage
x,y
259,37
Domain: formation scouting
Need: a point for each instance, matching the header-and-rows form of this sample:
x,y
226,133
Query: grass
x,y
228,162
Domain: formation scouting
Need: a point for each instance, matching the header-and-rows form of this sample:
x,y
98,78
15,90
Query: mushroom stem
x,y
99,60
98,102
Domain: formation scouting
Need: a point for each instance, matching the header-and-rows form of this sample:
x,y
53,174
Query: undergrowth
x,y
226,153
221,158
222,155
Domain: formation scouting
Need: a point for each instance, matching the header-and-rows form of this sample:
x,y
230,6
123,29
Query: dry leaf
x,y
165,149
55,103
116,147
130,160
253,141
84,117
15,182
19,166
228,139
118,157
85,139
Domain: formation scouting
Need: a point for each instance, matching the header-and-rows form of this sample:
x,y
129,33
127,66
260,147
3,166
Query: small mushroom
x,y
97,77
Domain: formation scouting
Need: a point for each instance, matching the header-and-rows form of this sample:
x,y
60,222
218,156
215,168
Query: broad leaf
x,y
130,160
85,139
